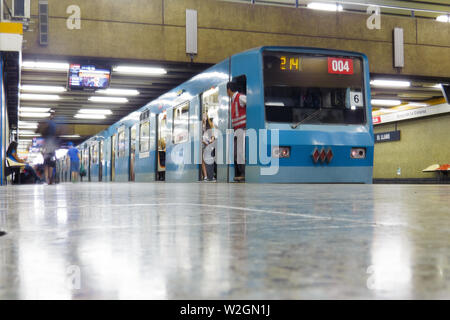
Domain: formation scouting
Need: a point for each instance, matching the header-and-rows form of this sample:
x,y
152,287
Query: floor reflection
x,y
213,241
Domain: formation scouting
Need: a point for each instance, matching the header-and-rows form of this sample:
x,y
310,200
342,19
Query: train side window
x,y
121,138
94,154
144,136
180,128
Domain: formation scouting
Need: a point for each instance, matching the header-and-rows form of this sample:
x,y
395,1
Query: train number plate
x,y
340,66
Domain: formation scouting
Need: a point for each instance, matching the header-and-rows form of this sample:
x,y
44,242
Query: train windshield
x,y
313,89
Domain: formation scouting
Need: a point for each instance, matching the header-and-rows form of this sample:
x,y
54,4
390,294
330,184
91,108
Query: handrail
x,y
303,4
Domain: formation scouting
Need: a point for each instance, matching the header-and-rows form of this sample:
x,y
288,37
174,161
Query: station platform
x,y
224,241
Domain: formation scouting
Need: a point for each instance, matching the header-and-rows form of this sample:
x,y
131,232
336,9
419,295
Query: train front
x,y
318,117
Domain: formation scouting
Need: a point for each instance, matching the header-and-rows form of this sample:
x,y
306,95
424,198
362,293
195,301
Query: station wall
x,y
155,30
423,142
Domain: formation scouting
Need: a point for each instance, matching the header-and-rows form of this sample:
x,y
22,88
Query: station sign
x,y
411,114
387,136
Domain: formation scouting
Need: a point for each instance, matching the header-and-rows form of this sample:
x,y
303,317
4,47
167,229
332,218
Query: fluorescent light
x,y
73,136
24,123
437,86
140,70
443,18
29,135
325,6
275,104
118,92
31,88
96,111
417,104
26,132
380,102
31,96
55,66
108,99
90,116
32,109
25,140
34,115
28,125
390,83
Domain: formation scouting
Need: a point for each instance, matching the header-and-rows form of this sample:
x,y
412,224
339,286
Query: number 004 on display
x,y
340,66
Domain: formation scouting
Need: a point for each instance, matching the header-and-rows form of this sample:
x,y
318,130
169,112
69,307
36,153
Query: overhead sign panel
x,y
412,114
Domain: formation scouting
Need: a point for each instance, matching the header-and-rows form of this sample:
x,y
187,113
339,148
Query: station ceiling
x,y
70,102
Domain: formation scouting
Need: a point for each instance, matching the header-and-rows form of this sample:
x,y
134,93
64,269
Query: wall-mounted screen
x,y
88,77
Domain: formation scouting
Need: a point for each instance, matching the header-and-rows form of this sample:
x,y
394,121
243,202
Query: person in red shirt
x,y
238,121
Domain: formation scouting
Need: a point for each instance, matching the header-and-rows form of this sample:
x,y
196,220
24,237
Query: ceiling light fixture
x,y
26,132
324,6
32,109
443,18
136,70
46,89
34,115
108,99
90,116
95,111
73,136
381,102
29,135
390,83
52,66
118,92
25,125
43,97
417,104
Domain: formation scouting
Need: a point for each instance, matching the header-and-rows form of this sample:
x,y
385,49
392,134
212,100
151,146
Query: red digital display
x,y
340,66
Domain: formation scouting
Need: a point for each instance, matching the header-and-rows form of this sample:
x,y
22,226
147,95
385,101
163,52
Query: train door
x,y
239,85
113,157
210,109
161,147
89,161
132,151
100,162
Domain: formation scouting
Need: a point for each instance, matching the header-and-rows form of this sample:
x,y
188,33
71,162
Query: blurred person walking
x,y
48,131
74,155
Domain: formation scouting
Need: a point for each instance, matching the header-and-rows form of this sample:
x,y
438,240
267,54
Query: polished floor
x,y
224,241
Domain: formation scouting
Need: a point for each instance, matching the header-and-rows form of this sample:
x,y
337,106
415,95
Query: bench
x,y
442,169
14,168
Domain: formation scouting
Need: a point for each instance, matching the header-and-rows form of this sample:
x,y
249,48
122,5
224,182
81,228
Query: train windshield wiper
x,y
309,117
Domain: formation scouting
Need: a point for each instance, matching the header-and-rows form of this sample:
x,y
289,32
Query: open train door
x,y
113,156
161,146
132,152
236,146
215,112
100,162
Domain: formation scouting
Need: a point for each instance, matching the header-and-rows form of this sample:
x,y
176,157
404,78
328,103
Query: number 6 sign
x,y
340,66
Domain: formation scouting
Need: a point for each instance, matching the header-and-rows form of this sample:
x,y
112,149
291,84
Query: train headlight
x,y
358,153
281,152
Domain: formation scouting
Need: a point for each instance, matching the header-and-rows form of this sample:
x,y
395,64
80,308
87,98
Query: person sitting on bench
x,y
16,162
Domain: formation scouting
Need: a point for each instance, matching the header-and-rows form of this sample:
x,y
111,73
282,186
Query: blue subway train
x,y
308,121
